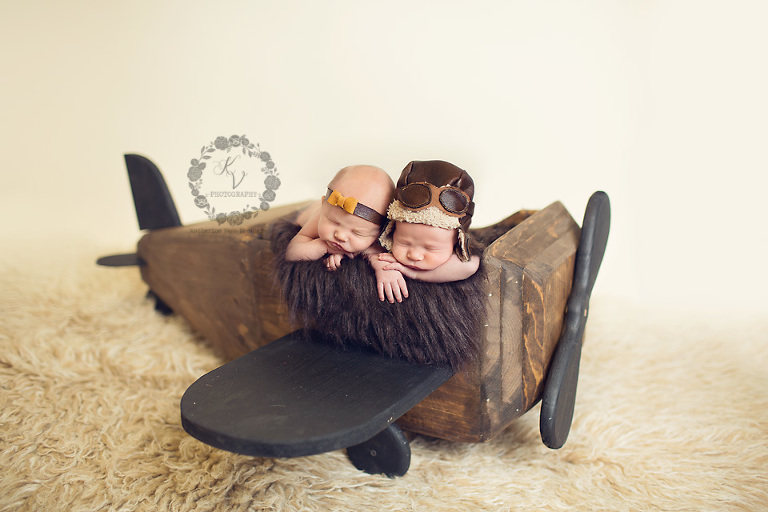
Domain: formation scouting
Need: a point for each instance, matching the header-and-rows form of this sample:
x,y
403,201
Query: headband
x,y
353,206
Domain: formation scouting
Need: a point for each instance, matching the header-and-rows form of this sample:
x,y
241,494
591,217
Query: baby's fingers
x,y
388,291
403,287
332,263
396,292
381,292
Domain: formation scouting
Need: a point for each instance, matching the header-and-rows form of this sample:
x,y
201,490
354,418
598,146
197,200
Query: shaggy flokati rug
x,y
671,414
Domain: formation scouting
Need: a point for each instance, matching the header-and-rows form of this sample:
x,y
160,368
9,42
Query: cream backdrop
x,y
660,103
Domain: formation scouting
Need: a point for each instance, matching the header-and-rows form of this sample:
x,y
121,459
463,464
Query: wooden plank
x,y
455,411
546,285
220,278
539,254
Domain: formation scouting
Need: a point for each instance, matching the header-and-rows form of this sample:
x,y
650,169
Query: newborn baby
x,y
427,229
347,220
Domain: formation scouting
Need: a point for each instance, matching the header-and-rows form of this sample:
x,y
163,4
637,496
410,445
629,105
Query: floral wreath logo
x,y
233,148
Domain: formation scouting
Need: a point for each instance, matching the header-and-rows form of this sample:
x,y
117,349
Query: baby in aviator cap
x,y
427,229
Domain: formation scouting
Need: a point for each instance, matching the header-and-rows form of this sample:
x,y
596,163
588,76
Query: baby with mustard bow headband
x,y
347,220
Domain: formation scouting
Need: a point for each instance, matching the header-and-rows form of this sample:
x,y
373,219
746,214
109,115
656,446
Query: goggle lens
x,y
416,195
453,200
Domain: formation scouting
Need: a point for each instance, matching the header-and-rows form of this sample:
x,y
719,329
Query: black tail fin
x,y
154,204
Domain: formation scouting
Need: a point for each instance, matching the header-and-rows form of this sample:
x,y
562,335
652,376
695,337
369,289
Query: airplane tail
x,y
153,202
154,205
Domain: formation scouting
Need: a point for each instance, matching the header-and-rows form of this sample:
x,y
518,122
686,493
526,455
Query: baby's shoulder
x,y
309,214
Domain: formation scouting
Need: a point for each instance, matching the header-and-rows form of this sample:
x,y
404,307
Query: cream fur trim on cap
x,y
431,216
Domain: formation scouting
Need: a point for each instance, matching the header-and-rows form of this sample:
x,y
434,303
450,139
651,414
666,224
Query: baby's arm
x,y
306,245
452,270
389,283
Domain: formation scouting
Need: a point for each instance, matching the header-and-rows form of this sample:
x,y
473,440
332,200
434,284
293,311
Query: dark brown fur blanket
x,y
438,323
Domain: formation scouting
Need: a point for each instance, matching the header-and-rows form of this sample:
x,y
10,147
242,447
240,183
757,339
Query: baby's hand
x,y
391,286
333,262
390,263
390,283
402,269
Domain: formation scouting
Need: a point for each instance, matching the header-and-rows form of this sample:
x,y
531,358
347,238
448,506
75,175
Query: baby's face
x,y
422,247
343,232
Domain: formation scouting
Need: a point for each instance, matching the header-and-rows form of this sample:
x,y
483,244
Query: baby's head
x,y
354,208
437,196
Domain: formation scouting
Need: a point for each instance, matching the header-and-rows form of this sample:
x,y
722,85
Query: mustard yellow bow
x,y
348,204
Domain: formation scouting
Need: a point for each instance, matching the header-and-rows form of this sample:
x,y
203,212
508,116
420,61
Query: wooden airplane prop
x,y
287,391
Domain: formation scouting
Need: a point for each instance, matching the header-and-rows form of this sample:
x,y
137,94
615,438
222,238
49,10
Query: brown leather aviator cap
x,y
442,175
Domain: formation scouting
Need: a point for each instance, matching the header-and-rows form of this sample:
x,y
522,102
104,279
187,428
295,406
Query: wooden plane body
x,y
221,279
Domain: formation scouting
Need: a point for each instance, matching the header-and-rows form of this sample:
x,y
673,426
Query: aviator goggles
x,y
420,195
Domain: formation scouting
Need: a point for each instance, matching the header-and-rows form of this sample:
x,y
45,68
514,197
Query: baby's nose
x,y
415,255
